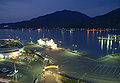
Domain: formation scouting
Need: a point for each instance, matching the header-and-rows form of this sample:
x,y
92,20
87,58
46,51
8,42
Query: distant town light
x,y
6,26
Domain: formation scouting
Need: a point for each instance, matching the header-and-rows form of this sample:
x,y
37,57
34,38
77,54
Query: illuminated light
x,y
6,26
48,43
102,44
95,30
87,35
29,29
4,80
99,42
50,67
108,44
93,34
41,42
51,44
111,44
15,54
119,43
39,29
21,50
20,53
115,48
8,39
1,56
71,32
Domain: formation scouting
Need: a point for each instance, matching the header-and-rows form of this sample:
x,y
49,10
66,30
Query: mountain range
x,y
68,18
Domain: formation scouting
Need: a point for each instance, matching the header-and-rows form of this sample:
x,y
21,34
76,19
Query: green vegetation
x,y
111,59
9,44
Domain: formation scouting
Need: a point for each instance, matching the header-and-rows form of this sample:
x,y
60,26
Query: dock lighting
x,y
51,44
41,42
47,43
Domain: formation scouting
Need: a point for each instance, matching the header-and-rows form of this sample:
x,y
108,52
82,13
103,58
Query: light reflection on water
x,y
80,40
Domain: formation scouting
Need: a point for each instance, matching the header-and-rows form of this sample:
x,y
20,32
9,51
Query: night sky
x,y
18,10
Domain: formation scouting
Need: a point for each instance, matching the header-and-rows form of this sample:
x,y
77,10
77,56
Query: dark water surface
x,y
80,40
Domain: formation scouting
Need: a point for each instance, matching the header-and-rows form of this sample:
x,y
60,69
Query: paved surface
x,y
51,77
83,67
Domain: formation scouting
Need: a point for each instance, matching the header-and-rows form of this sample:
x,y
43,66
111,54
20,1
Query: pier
x,y
110,37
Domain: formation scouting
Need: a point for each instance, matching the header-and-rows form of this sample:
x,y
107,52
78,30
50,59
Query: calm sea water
x,y
80,40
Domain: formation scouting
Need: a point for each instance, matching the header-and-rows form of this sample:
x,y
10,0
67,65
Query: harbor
x,y
46,60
